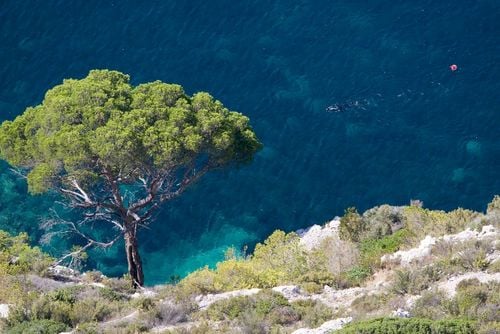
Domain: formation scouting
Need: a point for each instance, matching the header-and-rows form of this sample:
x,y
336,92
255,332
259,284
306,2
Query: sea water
x,y
409,128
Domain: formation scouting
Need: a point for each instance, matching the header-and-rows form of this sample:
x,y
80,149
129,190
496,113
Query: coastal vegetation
x,y
116,152
283,285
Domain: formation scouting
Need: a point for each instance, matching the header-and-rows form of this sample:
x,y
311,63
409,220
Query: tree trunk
x,y
133,259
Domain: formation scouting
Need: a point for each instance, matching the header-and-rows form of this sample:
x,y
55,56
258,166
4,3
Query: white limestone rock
x,y
312,236
326,327
205,301
4,310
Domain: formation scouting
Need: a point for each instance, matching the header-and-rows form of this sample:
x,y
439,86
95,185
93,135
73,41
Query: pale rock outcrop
x,y
312,236
4,310
339,298
205,301
407,257
326,327
290,292
450,285
147,293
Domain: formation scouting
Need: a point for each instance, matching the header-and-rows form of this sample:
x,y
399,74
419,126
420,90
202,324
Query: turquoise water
x,y
411,128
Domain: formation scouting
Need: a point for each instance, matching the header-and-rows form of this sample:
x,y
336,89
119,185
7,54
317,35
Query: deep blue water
x,y
418,131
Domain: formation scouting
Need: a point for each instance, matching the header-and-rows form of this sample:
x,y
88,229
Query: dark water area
x,y
411,128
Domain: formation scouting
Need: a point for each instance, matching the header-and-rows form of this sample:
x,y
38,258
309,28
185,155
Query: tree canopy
x,y
117,151
102,120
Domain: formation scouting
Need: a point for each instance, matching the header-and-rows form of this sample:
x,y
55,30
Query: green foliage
x,y
279,260
229,309
356,275
281,252
267,306
410,326
478,300
311,287
433,304
333,256
87,328
380,221
413,281
38,327
312,312
351,225
370,303
69,305
17,257
468,255
473,301
103,120
373,249
422,222
494,205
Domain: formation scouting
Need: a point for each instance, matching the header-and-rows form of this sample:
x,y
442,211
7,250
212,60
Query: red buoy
x,y
453,67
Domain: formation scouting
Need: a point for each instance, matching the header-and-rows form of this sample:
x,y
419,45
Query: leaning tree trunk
x,y
133,258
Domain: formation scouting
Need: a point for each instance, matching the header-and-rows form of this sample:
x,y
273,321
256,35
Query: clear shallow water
x,y
419,130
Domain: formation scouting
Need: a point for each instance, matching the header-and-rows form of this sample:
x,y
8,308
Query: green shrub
x,y
281,253
351,225
494,205
477,300
89,310
380,221
38,327
373,249
268,300
333,255
410,326
433,305
357,275
17,257
279,260
422,222
311,288
319,277
229,308
413,281
87,328
313,313
366,304
468,255
285,315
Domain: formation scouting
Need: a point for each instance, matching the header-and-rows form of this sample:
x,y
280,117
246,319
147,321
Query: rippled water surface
x,y
411,128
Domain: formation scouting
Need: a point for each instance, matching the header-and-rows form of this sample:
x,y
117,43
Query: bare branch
x,y
18,172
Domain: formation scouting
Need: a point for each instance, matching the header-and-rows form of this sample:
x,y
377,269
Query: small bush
x,y
432,305
164,314
373,249
356,275
313,313
413,281
381,221
334,256
367,304
311,288
463,256
17,257
230,308
351,225
87,328
38,327
422,222
410,326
